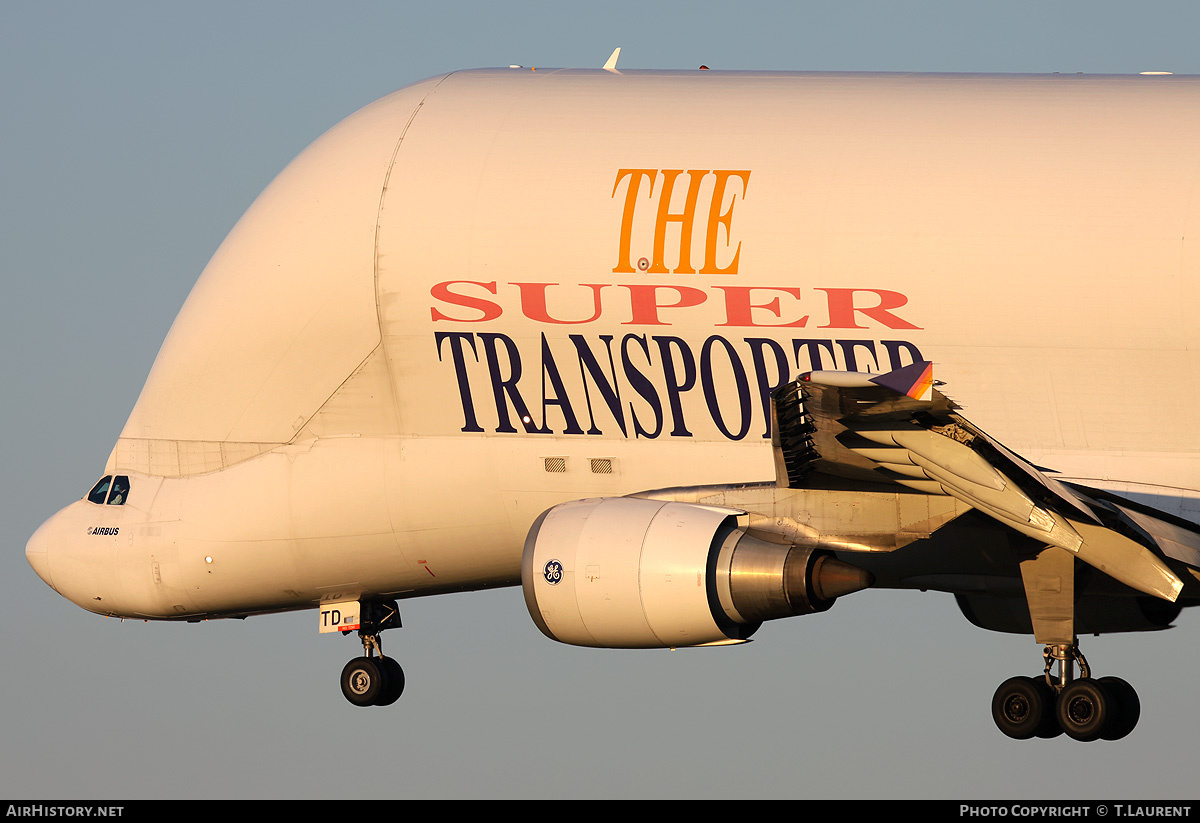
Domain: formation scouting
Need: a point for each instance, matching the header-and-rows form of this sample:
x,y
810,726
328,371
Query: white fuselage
x,y
498,290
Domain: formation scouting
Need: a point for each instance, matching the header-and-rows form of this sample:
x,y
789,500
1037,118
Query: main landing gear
x,y
370,680
1047,706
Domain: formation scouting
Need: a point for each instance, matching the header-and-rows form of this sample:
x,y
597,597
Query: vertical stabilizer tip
x,y
611,63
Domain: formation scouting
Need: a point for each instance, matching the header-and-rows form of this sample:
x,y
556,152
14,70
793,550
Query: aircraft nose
x,y
37,553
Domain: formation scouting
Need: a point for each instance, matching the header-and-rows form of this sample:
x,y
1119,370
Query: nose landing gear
x,y
1084,708
371,680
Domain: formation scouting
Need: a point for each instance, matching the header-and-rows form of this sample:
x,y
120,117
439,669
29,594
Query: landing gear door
x,y
344,616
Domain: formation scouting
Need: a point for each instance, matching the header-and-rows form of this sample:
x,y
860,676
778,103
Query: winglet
x,y
914,380
611,63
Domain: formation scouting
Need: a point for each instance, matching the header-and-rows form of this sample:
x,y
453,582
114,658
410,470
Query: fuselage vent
x,y
602,465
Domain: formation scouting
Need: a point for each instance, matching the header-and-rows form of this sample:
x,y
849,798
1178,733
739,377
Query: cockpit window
x,y
120,490
113,490
99,492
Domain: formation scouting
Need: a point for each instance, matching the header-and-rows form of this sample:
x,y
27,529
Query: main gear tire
x,y
1021,707
1085,709
1128,708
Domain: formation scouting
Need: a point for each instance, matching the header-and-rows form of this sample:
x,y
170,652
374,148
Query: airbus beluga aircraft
x,y
682,352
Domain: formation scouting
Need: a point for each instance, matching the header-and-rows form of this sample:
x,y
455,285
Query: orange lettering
x,y
685,219
718,218
624,265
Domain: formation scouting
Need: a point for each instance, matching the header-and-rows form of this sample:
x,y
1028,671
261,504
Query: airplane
x,y
682,352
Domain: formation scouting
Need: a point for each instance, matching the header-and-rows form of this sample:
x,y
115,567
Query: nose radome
x,y
37,553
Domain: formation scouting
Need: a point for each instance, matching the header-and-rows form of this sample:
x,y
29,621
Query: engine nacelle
x,y
626,572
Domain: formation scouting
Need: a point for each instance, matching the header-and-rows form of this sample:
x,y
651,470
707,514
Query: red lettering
x,y
745,306
738,306
842,309
643,302
533,302
487,309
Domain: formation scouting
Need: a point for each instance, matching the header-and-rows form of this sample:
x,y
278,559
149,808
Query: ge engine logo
x,y
553,572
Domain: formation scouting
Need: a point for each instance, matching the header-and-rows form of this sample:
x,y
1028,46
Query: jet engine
x,y
626,572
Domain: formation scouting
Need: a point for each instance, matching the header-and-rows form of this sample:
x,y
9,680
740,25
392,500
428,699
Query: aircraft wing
x,y
897,427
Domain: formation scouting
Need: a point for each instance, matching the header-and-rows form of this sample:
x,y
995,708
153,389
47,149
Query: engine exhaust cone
x,y
832,578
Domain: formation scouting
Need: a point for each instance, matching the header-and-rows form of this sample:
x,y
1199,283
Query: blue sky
x,y
135,135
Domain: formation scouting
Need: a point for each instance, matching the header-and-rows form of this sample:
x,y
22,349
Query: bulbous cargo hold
x,y
420,267
283,314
